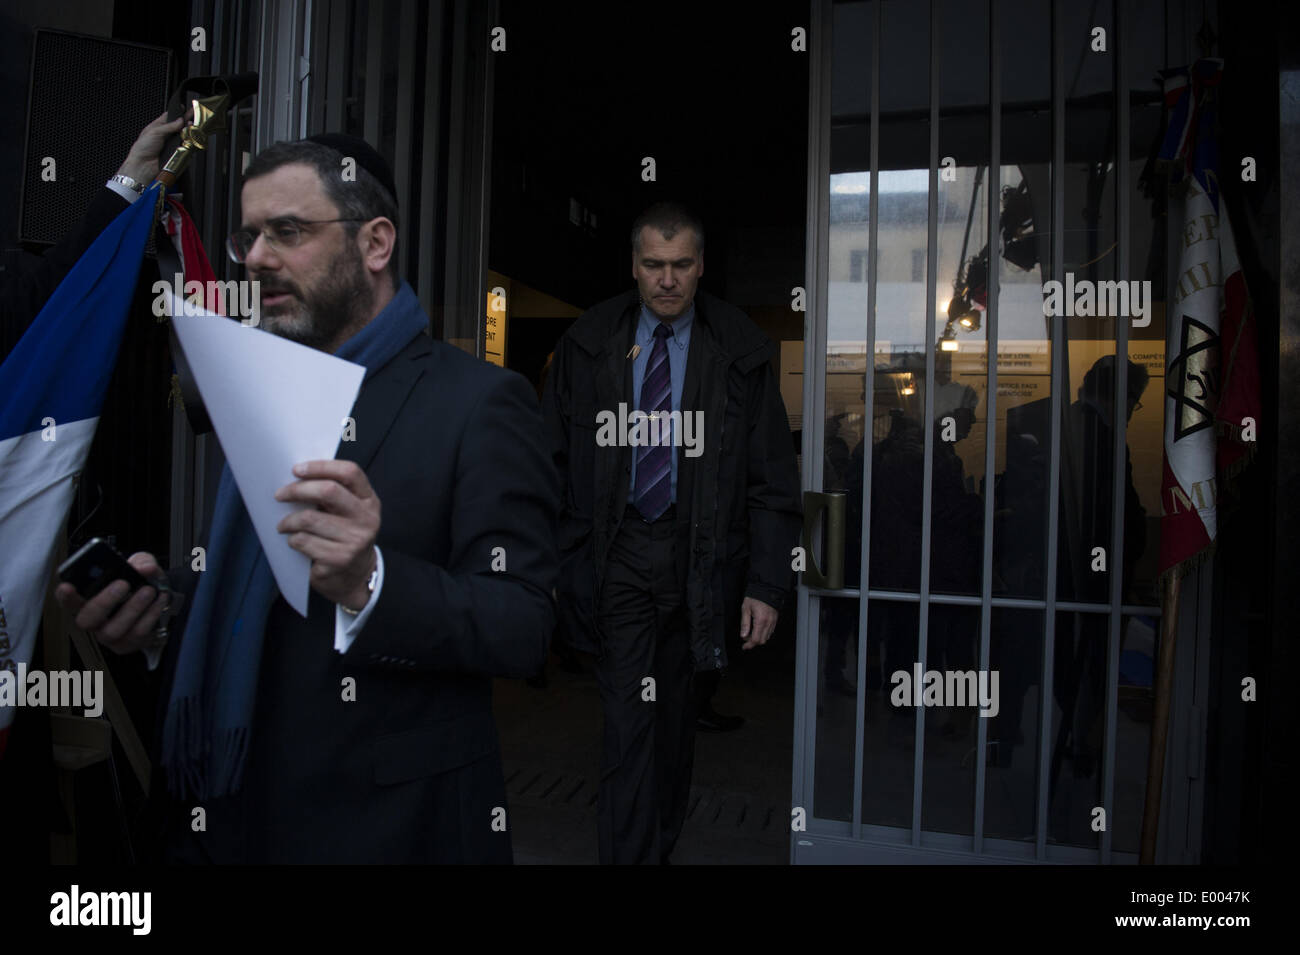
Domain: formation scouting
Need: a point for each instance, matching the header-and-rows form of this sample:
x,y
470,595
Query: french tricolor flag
x,y
52,387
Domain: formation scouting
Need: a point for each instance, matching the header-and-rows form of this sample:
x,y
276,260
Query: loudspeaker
x,y
88,100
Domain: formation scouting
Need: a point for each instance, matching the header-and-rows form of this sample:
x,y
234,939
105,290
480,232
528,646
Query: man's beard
x,y
315,318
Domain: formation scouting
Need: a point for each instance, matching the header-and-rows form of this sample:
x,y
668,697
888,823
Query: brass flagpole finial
x,y
209,118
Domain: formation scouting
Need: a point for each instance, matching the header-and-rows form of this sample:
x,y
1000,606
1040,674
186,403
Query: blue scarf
x,y
210,712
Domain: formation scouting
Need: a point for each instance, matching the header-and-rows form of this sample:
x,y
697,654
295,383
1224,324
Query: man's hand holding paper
x,y
337,531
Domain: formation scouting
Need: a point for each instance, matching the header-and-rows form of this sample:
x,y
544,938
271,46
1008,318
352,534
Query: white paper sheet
x,y
274,403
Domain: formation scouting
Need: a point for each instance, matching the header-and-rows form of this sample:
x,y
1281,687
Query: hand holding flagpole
x,y
142,162
208,117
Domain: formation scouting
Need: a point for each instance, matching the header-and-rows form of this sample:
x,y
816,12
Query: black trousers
x,y
649,744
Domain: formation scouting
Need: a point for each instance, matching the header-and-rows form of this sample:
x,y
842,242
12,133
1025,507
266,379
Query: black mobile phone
x,y
95,566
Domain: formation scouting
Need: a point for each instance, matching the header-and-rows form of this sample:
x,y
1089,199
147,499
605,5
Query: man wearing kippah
x,y
364,731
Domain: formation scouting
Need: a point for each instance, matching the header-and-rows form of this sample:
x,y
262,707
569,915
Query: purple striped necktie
x,y
653,488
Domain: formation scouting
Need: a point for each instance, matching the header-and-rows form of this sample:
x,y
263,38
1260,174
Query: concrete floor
x,y
740,793
741,788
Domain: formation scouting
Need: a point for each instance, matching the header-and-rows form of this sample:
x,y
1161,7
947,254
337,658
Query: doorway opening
x,y
593,120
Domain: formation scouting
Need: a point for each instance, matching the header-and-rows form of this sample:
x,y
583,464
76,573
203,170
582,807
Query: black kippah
x,y
367,157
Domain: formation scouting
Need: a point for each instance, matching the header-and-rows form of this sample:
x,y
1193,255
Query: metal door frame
x,y
836,841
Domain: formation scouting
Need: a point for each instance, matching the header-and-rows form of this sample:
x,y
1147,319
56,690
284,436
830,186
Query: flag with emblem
x,y
1212,398
53,384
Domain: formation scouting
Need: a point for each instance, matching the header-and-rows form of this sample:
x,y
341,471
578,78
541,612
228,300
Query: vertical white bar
x,y
1120,425
1060,370
814,394
431,184
374,73
868,416
927,482
994,192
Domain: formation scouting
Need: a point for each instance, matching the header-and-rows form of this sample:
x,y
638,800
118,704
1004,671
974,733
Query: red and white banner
x,y
189,246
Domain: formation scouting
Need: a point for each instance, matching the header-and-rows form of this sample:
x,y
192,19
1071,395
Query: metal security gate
x,y
983,471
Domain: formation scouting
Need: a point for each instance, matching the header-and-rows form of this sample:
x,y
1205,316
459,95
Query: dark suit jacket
x,y
410,771
30,280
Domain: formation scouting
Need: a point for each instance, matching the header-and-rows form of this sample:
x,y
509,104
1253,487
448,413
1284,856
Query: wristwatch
x,y
171,605
130,183
371,584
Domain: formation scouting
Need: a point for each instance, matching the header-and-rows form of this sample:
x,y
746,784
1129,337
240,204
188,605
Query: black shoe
x,y
711,721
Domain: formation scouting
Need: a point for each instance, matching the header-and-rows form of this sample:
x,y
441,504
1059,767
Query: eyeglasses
x,y
283,233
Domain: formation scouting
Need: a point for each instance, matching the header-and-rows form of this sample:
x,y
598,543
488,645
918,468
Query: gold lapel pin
x,y
636,350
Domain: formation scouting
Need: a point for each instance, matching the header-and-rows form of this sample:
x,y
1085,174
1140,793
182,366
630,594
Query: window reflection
x,y
1101,469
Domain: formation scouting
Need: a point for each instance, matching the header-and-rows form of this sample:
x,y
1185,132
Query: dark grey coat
x,y
738,502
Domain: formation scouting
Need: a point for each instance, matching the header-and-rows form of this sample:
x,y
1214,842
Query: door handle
x,y
832,504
